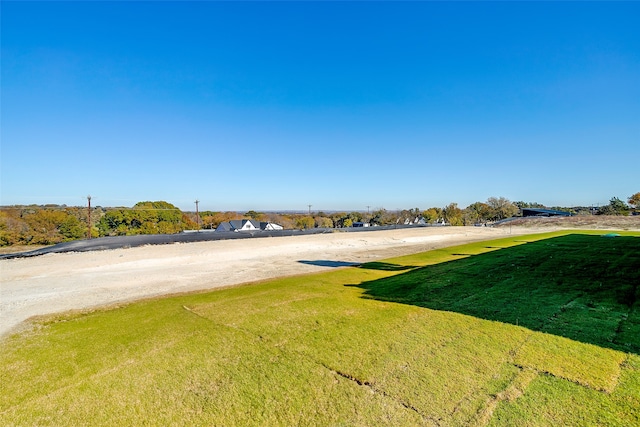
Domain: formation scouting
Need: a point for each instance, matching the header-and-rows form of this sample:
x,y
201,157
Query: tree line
x,y
50,224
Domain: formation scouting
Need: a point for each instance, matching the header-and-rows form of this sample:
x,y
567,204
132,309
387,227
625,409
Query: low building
x,y
247,225
360,224
544,212
224,226
270,226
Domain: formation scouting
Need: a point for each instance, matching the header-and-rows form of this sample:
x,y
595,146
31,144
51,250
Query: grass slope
x,y
534,330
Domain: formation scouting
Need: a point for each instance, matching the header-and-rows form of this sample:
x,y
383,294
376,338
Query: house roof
x,y
253,222
224,226
236,223
240,224
543,212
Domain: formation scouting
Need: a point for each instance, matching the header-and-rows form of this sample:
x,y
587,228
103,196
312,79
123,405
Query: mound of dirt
x,y
591,222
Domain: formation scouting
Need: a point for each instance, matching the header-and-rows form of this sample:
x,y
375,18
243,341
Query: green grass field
x,y
538,330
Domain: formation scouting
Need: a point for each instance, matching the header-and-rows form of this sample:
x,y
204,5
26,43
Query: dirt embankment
x,y
591,222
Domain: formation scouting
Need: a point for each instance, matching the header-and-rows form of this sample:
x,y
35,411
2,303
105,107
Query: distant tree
x,y
356,216
323,222
476,213
159,211
615,207
71,228
408,216
521,205
145,218
284,220
187,222
619,206
381,216
634,200
501,208
206,219
12,228
336,217
50,226
432,215
254,215
347,220
113,222
452,214
305,222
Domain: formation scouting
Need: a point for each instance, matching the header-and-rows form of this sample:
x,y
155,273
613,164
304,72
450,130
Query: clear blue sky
x,y
342,105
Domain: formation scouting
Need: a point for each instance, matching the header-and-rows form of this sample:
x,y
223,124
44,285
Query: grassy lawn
x,y
533,330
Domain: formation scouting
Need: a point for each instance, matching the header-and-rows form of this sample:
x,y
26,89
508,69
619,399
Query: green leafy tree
x,y
50,226
432,215
615,207
71,228
305,222
453,214
114,222
382,217
255,215
207,219
477,213
341,220
145,218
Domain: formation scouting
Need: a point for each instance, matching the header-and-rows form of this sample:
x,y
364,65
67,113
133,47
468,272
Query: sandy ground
x,y
60,282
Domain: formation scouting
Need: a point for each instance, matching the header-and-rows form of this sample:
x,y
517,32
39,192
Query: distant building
x,y
224,226
543,212
270,226
247,225
360,224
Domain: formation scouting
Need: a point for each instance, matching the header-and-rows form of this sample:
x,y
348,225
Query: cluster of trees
x,y
34,225
144,218
618,207
50,224
494,209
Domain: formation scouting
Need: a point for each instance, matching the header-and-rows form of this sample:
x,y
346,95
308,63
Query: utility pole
x,y
89,214
197,214
368,209
309,209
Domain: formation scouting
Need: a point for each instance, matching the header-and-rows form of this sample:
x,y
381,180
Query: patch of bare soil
x,y
590,222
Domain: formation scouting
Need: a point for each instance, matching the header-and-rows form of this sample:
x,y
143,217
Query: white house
x,y
247,225
270,226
